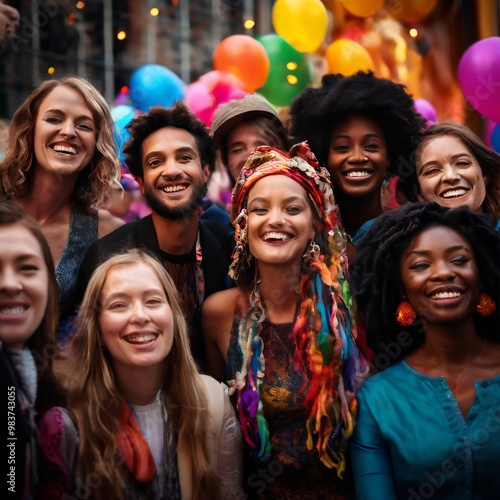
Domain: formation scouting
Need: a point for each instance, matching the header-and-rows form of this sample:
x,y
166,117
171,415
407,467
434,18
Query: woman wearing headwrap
x,y
287,333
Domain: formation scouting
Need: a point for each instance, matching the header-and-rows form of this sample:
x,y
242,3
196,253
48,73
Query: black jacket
x,y
217,242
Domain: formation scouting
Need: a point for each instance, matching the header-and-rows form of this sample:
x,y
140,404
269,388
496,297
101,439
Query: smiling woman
x,y
363,129
61,166
428,288
453,168
159,428
286,333
28,324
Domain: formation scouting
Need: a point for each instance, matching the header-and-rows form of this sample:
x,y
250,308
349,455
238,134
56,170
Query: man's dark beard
x,y
184,211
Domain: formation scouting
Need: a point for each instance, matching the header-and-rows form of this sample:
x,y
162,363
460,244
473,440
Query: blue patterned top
x,y
83,231
412,441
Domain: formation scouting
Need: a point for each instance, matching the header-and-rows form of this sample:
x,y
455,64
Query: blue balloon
x,y
495,138
153,85
122,115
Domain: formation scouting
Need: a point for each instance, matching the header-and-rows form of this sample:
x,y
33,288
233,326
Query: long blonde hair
x,y
96,181
95,399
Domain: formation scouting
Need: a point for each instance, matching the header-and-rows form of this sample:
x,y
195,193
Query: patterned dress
x,y
293,471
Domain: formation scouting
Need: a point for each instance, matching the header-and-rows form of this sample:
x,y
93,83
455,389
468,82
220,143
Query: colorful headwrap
x,y
324,328
299,164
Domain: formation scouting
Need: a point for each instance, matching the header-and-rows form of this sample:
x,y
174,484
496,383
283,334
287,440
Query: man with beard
x,y
170,154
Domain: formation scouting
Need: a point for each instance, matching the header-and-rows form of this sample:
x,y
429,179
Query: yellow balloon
x,y
348,57
411,11
302,23
362,8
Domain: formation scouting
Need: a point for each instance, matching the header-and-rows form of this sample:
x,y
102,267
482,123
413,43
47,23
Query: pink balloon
x,y
224,93
479,76
198,97
214,78
427,110
212,88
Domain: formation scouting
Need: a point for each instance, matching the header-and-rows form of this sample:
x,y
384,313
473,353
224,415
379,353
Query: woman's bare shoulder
x,y
222,303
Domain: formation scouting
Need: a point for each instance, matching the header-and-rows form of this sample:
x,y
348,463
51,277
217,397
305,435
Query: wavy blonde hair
x,y
95,399
96,180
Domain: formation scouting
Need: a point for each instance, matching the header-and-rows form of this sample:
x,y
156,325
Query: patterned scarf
x,y
324,328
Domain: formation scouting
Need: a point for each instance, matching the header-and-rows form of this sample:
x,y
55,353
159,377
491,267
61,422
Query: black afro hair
x,y
377,276
316,111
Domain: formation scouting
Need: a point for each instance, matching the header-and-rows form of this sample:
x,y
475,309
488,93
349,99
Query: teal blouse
x,y
412,442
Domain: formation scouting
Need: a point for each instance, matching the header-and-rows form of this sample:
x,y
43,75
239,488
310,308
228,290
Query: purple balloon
x,y
427,110
479,76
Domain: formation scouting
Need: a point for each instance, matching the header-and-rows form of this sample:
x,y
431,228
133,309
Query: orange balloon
x,y
362,8
244,57
411,11
348,57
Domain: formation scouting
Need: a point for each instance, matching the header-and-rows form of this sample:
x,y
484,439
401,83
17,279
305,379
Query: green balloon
x,y
289,73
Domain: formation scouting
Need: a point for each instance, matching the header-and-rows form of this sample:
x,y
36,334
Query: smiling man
x,y
170,154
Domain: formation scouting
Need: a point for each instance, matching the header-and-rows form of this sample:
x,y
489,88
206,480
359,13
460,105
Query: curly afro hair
x,y
316,111
378,281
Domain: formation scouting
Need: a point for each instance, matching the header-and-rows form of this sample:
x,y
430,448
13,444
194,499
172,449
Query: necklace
x,y
454,383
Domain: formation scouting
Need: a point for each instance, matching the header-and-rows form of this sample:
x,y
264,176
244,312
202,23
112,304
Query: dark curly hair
x,y
488,160
316,111
378,279
178,116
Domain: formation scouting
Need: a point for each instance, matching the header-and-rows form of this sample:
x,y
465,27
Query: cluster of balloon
x,y
122,115
244,57
209,91
479,74
427,110
410,11
348,57
289,74
152,85
302,23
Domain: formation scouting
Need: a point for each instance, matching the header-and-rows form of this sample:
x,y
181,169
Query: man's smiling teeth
x,y
13,310
64,149
446,295
273,235
173,189
362,173
141,338
454,193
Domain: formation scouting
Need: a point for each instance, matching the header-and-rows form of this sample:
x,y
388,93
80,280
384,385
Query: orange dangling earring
x,y
405,315
486,305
